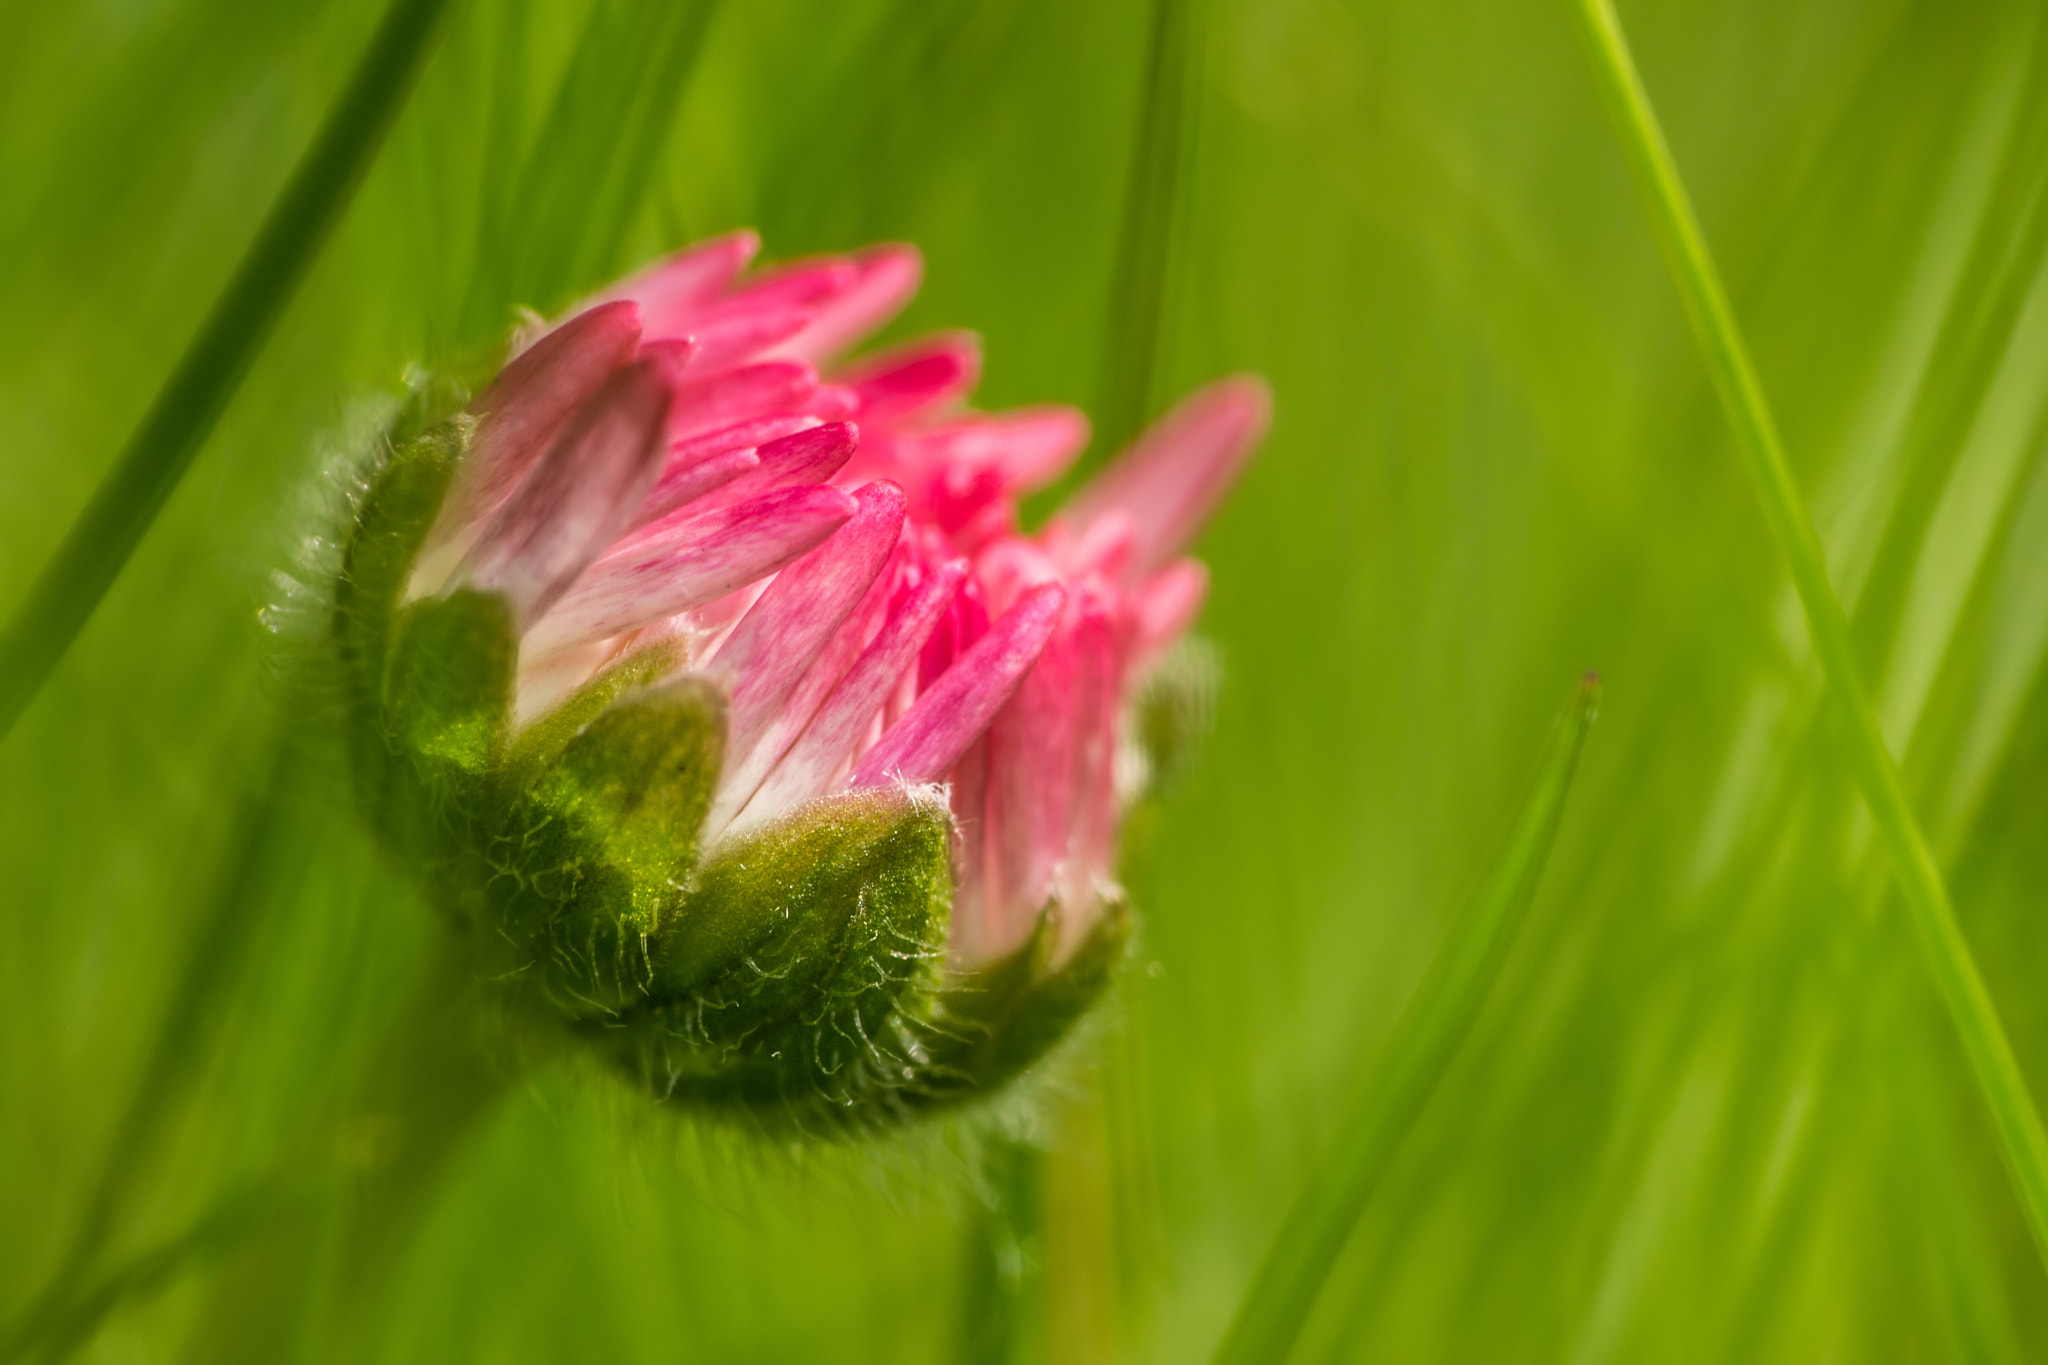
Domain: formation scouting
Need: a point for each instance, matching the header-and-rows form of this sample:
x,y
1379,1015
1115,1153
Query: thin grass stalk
x,y
2014,1116
1175,61
191,401
1392,1098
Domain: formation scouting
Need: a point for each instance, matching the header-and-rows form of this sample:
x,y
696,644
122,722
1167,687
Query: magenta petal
x,y
753,391
530,401
725,337
879,282
692,561
833,403
744,772
809,284
770,649
933,734
1031,778
1175,473
840,725
925,374
579,497
757,431
1166,605
812,456
673,291
681,484
1098,691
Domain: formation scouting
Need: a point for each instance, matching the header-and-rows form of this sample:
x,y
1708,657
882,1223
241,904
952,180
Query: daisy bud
x,y
709,688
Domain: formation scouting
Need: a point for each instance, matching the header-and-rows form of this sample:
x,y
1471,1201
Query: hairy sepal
x,y
447,695
797,977
600,837
995,1022
391,523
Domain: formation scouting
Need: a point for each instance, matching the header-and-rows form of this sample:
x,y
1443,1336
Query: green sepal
x,y
541,740
602,838
796,974
391,524
447,698
995,1022
431,398
448,693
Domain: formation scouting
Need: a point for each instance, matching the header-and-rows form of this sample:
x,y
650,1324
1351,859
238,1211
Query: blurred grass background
x,y
1713,1111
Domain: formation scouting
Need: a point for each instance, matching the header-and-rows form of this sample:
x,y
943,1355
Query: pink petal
x,y
959,706
579,497
675,354
724,337
692,561
682,484
1173,476
1104,546
1098,692
965,622
755,431
1167,604
774,644
833,403
751,392
1010,567
672,291
744,772
1031,779
713,460
978,933
925,374
533,397
843,722
811,284
880,281
808,457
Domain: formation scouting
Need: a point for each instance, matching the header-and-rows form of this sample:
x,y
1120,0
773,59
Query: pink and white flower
x,y
687,457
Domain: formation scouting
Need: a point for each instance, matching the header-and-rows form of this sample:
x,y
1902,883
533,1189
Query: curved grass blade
x,y
1400,1085
1956,979
106,533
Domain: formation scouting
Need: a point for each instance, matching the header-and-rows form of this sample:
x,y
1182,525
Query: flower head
x,y
711,685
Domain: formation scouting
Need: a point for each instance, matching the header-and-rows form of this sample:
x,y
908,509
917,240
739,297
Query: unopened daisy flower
x,y
709,684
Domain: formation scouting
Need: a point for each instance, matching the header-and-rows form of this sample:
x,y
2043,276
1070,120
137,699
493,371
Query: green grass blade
x,y
1425,1040
2018,1124
176,1050
1174,65
192,399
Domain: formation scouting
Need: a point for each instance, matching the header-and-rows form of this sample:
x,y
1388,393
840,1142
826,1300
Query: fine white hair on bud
x,y
706,682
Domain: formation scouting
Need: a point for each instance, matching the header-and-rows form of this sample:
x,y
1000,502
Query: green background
x,y
1712,1110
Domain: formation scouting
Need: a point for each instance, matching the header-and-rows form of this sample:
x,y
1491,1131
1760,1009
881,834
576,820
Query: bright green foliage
x,y
1390,1098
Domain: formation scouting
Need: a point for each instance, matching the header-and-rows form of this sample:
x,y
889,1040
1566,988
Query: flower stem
x,y
1431,1029
162,448
1962,991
